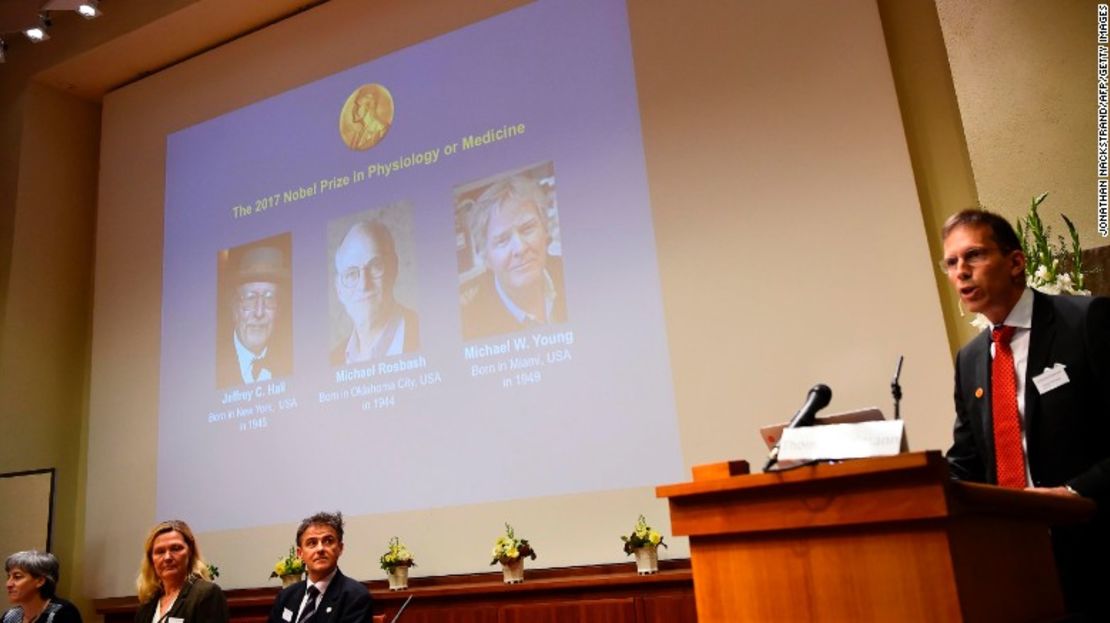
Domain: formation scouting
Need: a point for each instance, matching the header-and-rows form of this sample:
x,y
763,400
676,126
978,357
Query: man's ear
x,y
1017,268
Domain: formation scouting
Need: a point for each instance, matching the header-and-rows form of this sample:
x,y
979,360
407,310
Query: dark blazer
x,y
59,611
345,601
200,601
483,313
1067,429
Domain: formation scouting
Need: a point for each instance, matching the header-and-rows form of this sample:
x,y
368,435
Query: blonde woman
x,y
173,579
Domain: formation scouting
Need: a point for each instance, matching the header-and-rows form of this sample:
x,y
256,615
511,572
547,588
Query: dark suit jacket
x,y
200,601
345,601
59,611
483,313
1067,429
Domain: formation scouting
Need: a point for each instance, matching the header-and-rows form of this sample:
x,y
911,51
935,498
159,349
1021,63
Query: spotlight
x,y
38,33
3,51
89,9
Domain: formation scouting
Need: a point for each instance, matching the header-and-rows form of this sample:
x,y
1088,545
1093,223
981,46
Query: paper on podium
x,y
851,435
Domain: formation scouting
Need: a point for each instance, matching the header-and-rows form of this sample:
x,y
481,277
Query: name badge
x,y
286,614
1051,378
174,620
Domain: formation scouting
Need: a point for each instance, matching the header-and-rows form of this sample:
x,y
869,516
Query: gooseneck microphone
x,y
817,399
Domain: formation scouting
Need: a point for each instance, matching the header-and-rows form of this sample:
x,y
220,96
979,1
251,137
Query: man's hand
x,y
1060,491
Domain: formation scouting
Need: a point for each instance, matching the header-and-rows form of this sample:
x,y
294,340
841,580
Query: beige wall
x,y
934,133
1025,80
44,353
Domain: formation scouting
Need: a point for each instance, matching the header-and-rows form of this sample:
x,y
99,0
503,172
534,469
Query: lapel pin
x,y
979,392
328,610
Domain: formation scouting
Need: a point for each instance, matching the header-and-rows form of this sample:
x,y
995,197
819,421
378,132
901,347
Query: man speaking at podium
x,y
1033,394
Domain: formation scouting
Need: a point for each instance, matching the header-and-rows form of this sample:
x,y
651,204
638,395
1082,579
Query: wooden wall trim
x,y
585,587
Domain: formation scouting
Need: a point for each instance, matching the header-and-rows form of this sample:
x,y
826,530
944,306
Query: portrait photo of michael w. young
x,y
509,252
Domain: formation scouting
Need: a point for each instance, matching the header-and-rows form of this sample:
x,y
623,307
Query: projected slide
x,y
426,281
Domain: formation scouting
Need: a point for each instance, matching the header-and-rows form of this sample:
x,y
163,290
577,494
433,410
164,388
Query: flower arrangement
x,y
288,565
397,556
1044,270
642,536
508,548
1043,258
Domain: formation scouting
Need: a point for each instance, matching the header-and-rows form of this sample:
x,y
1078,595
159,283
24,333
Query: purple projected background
x,y
597,413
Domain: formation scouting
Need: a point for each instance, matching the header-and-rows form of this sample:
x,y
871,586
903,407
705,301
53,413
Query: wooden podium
x,y
884,539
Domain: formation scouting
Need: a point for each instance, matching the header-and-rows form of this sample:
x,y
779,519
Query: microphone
x,y
817,399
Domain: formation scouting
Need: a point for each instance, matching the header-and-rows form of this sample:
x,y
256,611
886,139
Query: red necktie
x,y
1009,458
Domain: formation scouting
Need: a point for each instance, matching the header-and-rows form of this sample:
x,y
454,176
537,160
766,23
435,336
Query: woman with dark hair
x,y
174,582
32,580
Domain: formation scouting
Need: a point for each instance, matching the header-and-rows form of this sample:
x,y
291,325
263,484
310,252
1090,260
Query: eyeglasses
x,y
251,300
351,276
973,257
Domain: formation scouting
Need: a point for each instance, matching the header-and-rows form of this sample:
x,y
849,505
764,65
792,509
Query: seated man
x,y
327,596
365,273
522,285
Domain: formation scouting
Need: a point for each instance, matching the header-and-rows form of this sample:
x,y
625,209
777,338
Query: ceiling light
x,y
89,9
38,33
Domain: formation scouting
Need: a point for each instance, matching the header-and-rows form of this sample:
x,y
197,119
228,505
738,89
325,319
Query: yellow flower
x,y
513,552
654,537
279,568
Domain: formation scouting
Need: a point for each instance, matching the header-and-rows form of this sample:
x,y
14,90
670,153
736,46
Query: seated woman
x,y
174,582
32,580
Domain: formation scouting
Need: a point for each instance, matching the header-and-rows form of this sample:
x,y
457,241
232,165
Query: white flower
x,y
980,322
1048,288
1041,274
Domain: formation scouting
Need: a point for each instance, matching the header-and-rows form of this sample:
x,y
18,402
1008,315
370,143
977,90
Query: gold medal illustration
x,y
366,116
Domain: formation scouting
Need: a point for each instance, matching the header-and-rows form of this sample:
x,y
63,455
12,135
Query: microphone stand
x,y
896,389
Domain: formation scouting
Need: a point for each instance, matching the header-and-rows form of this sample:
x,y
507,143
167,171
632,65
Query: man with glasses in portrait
x,y
253,353
365,273
1033,396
